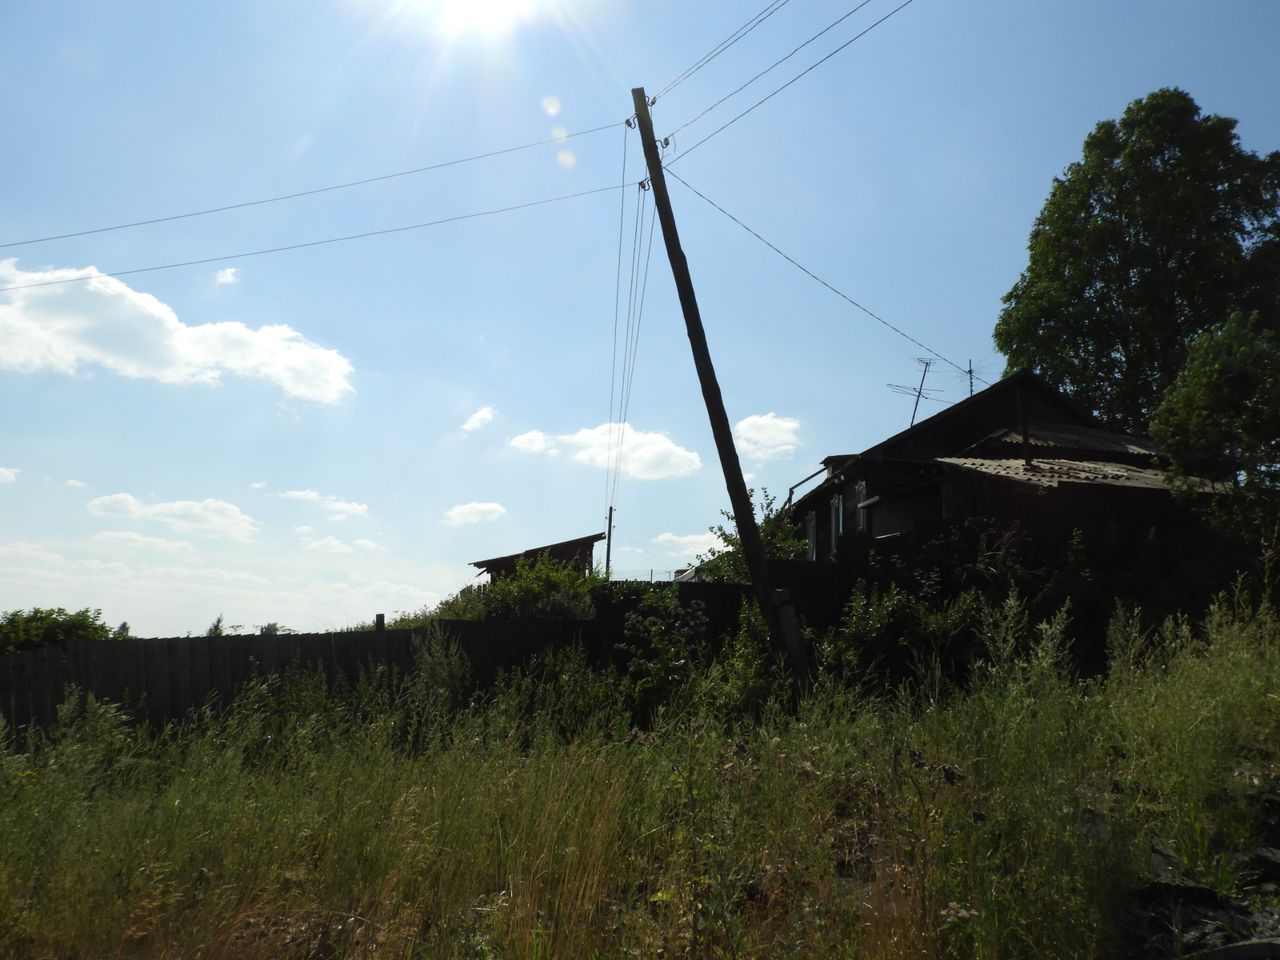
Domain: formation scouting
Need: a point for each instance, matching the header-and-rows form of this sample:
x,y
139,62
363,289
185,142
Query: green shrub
x,y
665,646
892,635
541,587
54,627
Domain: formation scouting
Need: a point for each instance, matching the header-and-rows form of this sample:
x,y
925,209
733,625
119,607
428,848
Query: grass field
x,y
408,817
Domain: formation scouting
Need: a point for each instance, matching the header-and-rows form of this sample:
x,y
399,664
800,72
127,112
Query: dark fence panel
x,y
163,679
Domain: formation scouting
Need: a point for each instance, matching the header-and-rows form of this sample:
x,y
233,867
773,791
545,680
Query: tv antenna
x,y
917,391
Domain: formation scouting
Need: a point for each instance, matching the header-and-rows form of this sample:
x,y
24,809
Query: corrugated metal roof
x,y
1066,437
1050,473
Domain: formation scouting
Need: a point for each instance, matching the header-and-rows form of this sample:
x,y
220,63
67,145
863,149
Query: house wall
x,y
1115,518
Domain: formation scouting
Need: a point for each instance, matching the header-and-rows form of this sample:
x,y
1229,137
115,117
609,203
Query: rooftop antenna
x,y
919,391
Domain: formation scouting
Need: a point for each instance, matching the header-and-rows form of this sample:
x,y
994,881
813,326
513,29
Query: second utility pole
x,y
775,607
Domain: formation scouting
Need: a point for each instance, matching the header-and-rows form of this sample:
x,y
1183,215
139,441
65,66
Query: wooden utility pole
x,y
775,606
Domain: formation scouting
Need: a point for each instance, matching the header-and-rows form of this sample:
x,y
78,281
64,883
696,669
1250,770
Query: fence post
x,y
379,652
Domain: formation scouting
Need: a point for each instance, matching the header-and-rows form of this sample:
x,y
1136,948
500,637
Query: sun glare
x,y
479,18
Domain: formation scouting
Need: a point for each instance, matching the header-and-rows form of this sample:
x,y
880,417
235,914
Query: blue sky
x,y
315,436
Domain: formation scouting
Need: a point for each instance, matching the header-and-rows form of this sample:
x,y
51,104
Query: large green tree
x,y
1163,228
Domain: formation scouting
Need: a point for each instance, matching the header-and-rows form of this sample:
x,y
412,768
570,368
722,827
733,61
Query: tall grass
x,y
411,817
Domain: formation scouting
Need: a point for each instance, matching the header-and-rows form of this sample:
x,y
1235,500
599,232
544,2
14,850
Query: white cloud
x,y
75,484
332,544
226,277
104,322
767,436
687,544
337,508
33,553
535,441
9,474
168,595
465,513
258,485
300,495
129,540
480,418
342,509
305,528
210,518
645,455
328,545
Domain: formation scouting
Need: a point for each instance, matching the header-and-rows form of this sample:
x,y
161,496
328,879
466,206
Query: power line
x,y
723,45
770,68
309,193
614,462
802,73
629,378
316,243
803,269
637,245
617,296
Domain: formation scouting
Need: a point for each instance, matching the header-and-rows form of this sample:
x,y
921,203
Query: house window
x,y
837,522
811,533
864,519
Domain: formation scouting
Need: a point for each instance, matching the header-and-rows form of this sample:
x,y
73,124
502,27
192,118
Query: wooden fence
x,y
162,679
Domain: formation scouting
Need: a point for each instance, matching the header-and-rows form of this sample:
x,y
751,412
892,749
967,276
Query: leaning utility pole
x,y
775,606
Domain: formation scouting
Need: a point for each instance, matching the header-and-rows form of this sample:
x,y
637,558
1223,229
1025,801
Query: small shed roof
x,y
578,550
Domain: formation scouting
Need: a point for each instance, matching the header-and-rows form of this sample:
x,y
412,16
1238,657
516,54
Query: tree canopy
x,y
778,536
1220,422
1163,228
53,627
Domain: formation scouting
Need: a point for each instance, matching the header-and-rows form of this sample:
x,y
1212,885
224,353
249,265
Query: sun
x,y
455,19
487,17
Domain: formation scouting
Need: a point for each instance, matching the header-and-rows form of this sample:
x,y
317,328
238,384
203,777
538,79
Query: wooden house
x,y
1019,453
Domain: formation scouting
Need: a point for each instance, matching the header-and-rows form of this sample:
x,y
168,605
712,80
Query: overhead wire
x,y
615,459
773,66
617,296
630,378
312,192
616,426
722,46
644,287
807,70
805,270
315,243
640,545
